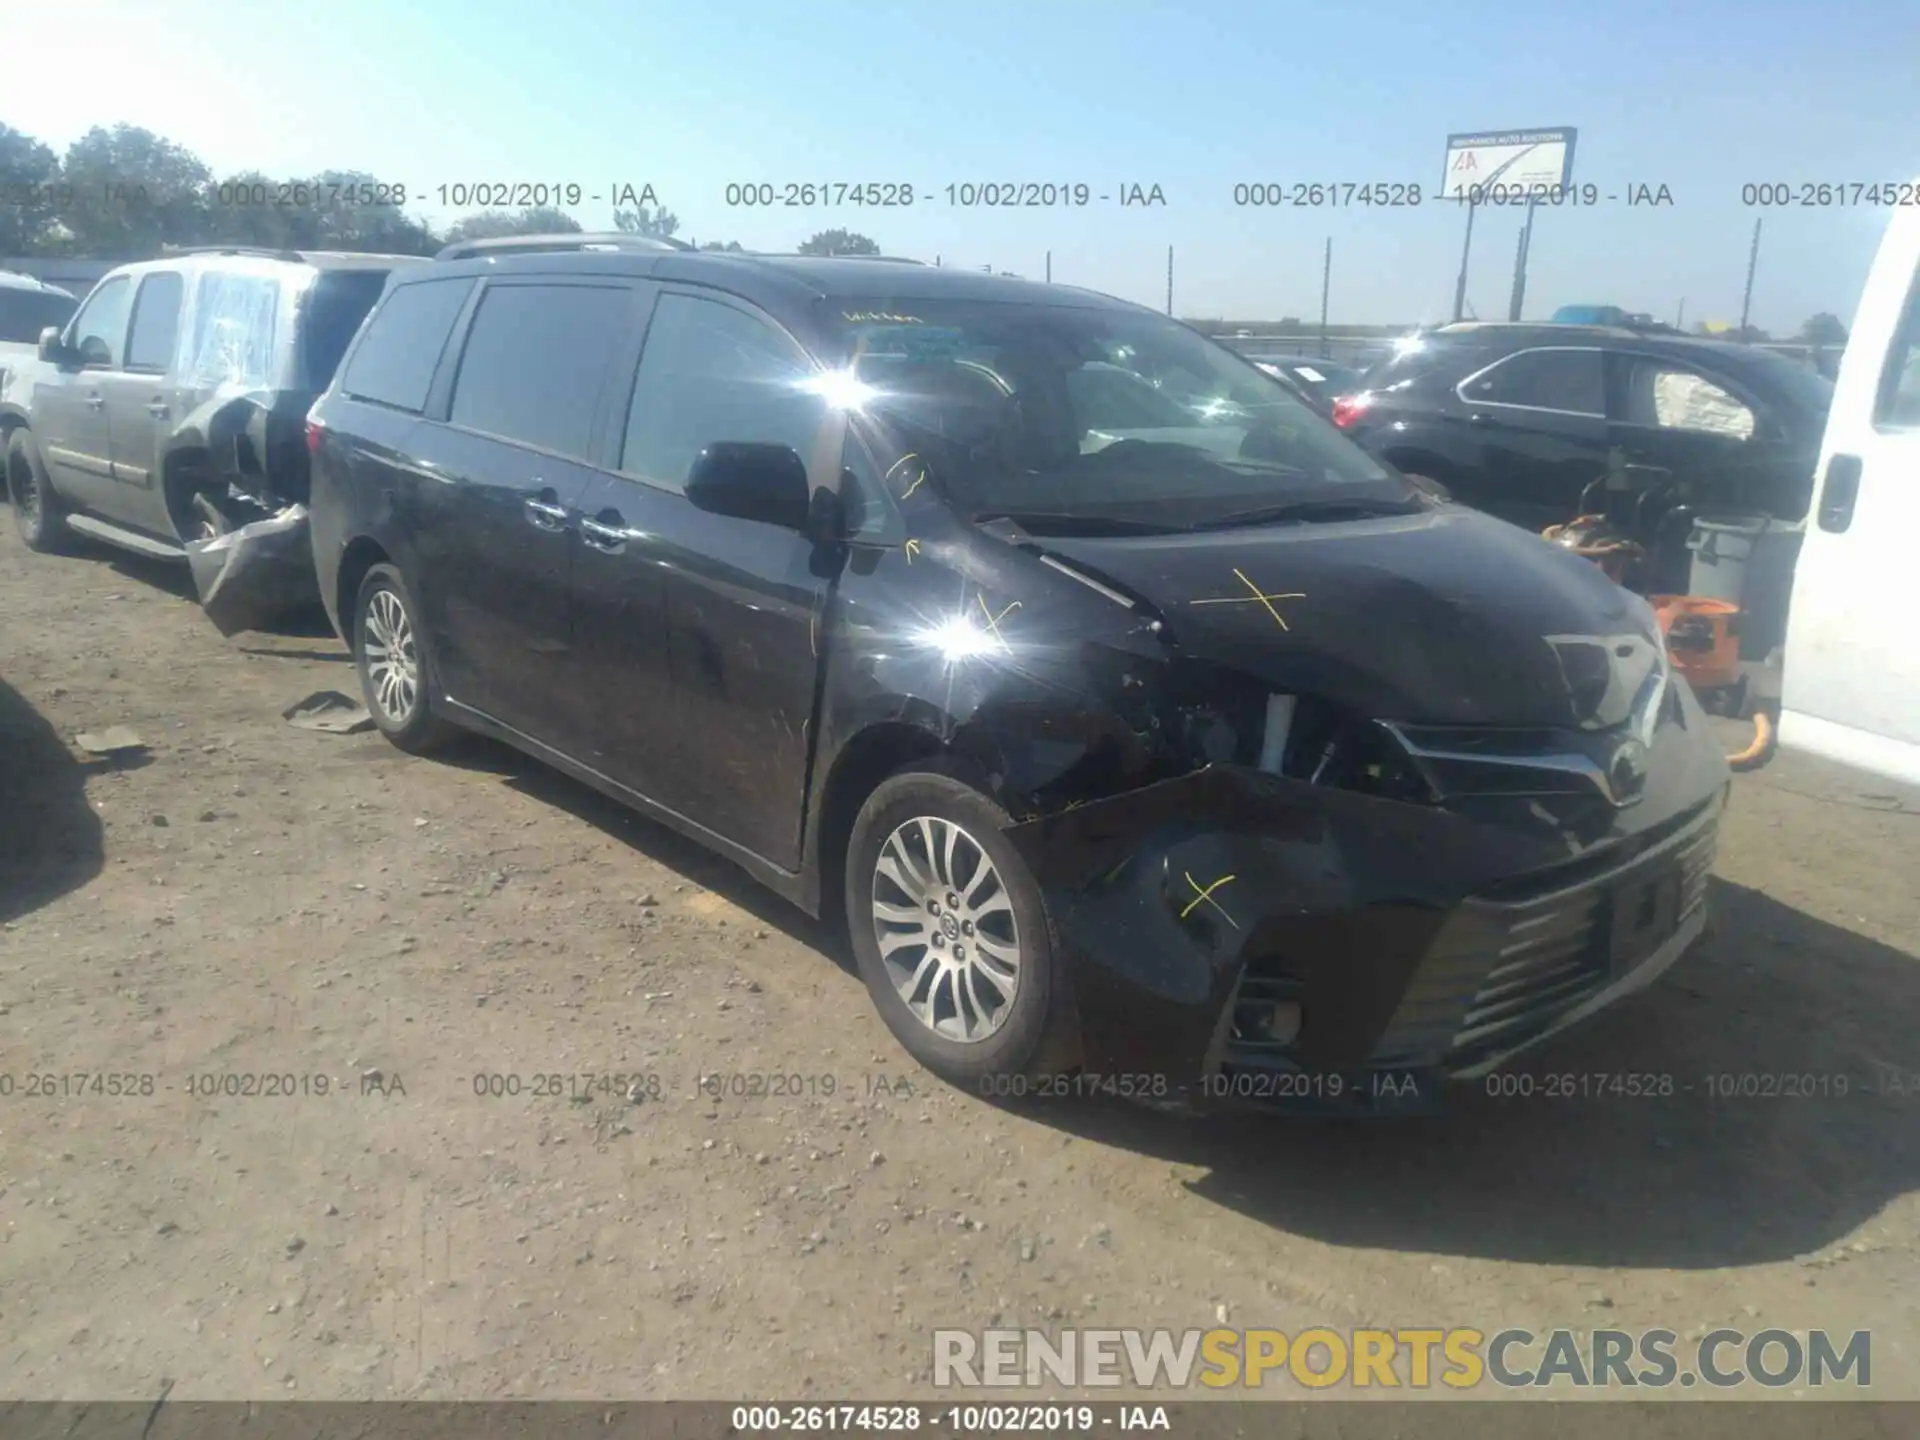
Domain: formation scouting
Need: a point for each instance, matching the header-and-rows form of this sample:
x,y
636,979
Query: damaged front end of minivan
x,y
1334,855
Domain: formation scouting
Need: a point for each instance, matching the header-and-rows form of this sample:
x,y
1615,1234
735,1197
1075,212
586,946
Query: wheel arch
x,y
363,552
879,750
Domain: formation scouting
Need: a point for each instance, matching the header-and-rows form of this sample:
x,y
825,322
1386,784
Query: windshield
x,y
1068,411
25,313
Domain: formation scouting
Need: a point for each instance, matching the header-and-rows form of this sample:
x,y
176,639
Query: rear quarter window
x,y
394,363
25,313
338,301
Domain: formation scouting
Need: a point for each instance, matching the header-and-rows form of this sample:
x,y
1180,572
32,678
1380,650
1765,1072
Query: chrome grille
x,y
1500,973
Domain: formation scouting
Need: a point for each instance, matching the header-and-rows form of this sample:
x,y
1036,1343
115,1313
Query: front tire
x,y
396,670
951,934
37,512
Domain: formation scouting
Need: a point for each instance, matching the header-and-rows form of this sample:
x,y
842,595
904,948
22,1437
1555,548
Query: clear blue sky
x,y
1701,97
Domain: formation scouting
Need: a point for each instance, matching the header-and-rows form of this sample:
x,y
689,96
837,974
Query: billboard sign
x,y
1507,164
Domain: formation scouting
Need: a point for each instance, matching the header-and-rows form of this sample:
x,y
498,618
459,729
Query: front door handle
x,y
545,512
96,402
157,409
608,532
1842,490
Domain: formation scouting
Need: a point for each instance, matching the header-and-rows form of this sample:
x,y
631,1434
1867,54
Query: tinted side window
x,y
1897,406
1545,380
1671,397
25,313
156,322
335,306
535,361
396,359
100,329
709,373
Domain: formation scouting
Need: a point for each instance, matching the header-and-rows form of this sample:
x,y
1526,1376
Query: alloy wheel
x,y
943,918
392,657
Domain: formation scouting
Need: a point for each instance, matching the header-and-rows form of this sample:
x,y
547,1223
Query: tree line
x,y
124,193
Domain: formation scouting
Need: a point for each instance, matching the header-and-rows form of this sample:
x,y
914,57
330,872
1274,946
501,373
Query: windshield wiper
x,y
1040,521
1325,507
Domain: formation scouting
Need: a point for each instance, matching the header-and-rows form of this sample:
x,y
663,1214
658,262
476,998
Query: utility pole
x,y
1753,260
1049,267
1169,280
1680,315
1523,253
1326,283
1466,249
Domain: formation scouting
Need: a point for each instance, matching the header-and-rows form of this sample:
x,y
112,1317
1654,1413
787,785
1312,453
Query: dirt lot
x,y
255,899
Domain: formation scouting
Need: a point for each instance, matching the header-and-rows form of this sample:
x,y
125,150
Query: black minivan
x,y
1140,727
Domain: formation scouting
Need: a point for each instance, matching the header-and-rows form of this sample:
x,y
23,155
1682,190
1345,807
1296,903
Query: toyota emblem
x,y
1627,772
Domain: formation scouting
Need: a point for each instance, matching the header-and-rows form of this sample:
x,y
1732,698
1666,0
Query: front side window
x,y
1066,415
1572,381
709,373
156,323
536,358
1671,397
394,362
100,329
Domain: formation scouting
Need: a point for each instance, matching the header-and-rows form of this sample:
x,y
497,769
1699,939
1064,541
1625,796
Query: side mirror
x,y
51,350
766,483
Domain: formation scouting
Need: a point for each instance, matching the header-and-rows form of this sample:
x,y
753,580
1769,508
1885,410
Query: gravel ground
x,y
248,898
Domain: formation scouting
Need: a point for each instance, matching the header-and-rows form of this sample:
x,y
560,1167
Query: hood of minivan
x,y
1448,617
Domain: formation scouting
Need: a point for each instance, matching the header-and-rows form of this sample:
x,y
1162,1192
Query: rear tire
x,y
395,666
37,512
967,981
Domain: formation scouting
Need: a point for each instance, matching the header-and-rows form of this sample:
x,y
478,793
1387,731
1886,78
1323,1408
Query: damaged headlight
x,y
1201,715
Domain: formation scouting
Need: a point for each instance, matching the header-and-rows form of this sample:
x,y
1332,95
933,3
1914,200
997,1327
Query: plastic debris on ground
x,y
330,712
250,577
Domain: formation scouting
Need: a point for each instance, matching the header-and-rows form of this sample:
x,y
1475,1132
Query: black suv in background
x,y
172,406
1519,419
1130,716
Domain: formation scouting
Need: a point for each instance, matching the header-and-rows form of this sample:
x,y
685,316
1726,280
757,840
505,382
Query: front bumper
x,y
1415,945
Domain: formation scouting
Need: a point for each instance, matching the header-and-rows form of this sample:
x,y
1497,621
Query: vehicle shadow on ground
x,y
1709,1173
50,837
688,859
1793,1117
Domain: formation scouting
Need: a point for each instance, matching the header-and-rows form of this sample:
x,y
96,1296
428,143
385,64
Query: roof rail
x,y
271,251
565,240
804,255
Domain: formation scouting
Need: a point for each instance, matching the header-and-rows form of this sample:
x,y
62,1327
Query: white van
x,y
1851,687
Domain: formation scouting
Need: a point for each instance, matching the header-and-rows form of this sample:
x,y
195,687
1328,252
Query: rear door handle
x,y
545,512
1838,495
607,533
96,402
